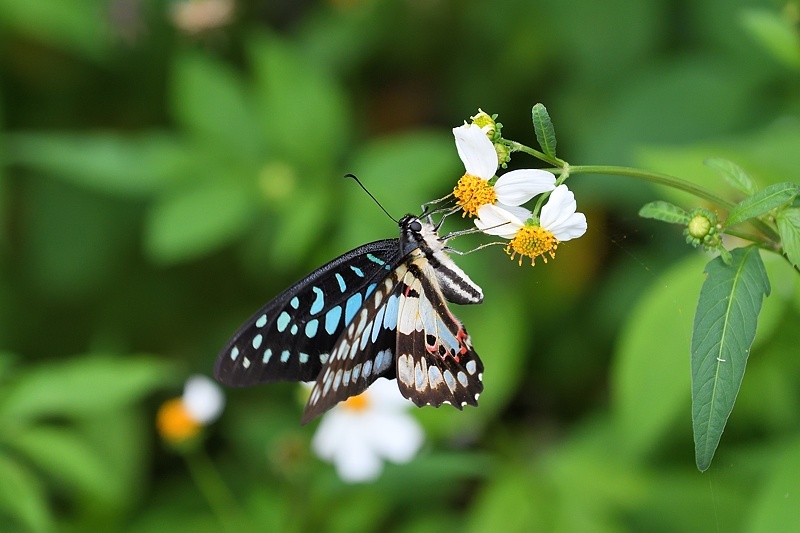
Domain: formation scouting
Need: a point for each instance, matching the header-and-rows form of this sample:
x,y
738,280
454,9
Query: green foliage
x,y
158,185
545,132
733,174
665,212
762,202
789,228
723,332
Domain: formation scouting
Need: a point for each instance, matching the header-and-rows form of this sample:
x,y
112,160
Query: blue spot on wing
x,y
357,270
319,301
332,319
369,290
351,307
283,321
311,328
376,260
342,284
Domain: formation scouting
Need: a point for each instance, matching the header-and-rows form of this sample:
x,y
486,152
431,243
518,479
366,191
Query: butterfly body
x,y
377,311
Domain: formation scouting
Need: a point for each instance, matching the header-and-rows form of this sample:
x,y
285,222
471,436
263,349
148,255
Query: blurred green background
x,y
166,169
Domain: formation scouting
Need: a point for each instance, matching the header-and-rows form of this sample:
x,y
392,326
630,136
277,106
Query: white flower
x,y
360,433
181,419
558,222
203,399
480,163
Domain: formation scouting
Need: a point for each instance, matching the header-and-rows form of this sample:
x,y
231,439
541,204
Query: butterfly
x,y
379,310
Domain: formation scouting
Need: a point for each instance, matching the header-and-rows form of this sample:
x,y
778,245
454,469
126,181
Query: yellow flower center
x,y
174,422
472,192
356,403
532,241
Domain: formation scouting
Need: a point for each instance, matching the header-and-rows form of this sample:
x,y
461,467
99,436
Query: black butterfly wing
x,y
291,337
364,352
435,363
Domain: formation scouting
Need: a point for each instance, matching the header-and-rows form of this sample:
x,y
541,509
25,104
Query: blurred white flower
x,y
512,189
359,434
558,222
181,419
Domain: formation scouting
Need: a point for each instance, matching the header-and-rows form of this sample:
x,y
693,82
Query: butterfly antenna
x,y
348,175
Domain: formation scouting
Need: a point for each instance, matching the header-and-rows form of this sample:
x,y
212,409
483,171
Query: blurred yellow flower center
x,y
532,241
472,192
356,403
174,422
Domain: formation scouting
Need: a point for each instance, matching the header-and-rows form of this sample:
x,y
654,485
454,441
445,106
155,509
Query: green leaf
x,y
724,329
789,230
649,377
665,212
82,387
22,497
776,33
733,174
545,132
763,201
211,101
106,162
188,224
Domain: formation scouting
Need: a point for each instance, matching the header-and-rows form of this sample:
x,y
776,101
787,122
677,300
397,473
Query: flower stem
x,y
517,147
215,490
656,177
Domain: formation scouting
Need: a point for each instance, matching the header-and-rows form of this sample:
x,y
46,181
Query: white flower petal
x,y
520,212
203,398
395,436
476,151
384,395
559,216
356,461
494,220
572,228
519,186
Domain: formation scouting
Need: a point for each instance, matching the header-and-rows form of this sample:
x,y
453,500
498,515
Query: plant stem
x,y
675,183
656,177
517,147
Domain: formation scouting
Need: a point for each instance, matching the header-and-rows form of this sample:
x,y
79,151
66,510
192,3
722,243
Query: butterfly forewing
x,y
436,363
291,337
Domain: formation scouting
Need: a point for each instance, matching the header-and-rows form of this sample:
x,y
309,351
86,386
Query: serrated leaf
x,y
82,387
545,132
733,174
789,229
22,498
724,329
763,201
191,223
665,212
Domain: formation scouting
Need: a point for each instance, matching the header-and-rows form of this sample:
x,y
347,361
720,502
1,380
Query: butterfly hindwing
x,y
291,337
435,362
364,352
